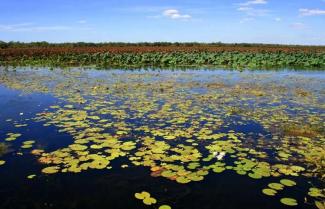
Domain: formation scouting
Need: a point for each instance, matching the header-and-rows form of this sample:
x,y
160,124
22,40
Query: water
x,y
161,132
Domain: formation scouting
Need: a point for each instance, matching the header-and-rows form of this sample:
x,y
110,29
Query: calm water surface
x,y
203,139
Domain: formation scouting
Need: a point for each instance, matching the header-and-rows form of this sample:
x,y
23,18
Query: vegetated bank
x,y
104,55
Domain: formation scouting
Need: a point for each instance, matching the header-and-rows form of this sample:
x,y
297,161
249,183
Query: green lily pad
x,y
320,205
315,192
182,180
26,146
167,174
170,137
218,169
142,195
289,201
149,201
287,182
255,175
165,207
269,192
31,176
51,170
276,186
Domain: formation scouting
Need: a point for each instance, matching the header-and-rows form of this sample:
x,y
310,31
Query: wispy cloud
x,y
249,8
250,11
8,27
141,9
311,12
82,21
247,19
298,26
31,27
254,2
244,8
176,14
278,19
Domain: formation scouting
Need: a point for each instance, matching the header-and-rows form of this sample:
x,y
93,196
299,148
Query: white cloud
x,y
175,14
9,27
311,12
298,26
249,8
249,11
278,19
253,2
31,27
82,21
244,8
154,16
247,19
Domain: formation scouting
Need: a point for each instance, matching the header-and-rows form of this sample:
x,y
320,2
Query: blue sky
x,y
259,21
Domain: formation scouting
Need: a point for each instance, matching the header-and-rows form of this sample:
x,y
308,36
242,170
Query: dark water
x,y
21,102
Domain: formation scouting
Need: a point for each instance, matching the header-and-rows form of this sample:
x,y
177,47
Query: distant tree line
x,y
13,44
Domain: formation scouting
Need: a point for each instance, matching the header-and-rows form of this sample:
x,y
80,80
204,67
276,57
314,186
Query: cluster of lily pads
x,y
148,200
181,126
273,189
12,136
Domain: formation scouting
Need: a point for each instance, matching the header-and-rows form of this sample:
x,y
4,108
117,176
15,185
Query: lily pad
x,y
51,170
149,201
31,176
276,186
287,182
315,192
182,180
165,207
269,192
289,201
142,195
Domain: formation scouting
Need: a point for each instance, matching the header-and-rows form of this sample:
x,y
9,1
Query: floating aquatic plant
x,y
287,182
184,132
269,192
146,198
165,207
289,201
4,148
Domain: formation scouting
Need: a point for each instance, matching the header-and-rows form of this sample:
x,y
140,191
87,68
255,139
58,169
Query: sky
x,y
228,21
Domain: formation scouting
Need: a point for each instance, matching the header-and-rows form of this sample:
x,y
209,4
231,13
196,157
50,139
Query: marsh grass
x,y
309,131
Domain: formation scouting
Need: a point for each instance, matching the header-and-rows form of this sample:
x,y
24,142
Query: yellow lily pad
x,y
289,201
165,207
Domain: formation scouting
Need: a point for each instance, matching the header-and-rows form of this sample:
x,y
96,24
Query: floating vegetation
x,y
12,136
320,205
289,201
31,176
50,170
182,126
316,192
169,55
276,186
146,198
165,207
4,148
269,192
287,182
27,144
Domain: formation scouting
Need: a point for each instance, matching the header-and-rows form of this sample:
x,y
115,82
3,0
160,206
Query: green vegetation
x,y
14,44
165,55
182,126
235,60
